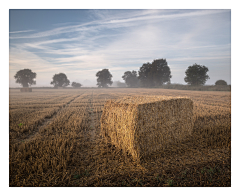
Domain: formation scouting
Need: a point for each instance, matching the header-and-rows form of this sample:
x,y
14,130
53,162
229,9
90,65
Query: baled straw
x,y
26,89
141,125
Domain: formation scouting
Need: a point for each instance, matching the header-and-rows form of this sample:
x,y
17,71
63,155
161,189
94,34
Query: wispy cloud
x,y
148,15
21,31
124,40
168,16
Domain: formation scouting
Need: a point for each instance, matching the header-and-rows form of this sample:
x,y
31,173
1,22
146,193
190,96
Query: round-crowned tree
x,y
220,82
154,74
104,78
60,80
131,78
76,85
25,77
196,75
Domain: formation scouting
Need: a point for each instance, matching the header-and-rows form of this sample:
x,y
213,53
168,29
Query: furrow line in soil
x,y
92,122
49,119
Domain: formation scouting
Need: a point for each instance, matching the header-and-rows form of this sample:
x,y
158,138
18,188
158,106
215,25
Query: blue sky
x,y
80,43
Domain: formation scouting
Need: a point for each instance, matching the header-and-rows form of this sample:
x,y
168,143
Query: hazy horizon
x,y
80,43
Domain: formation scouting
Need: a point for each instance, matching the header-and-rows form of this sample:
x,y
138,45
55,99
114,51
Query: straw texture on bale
x,y
26,89
141,125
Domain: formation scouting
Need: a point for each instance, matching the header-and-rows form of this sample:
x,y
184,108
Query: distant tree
x,y
154,74
161,72
131,78
104,78
169,82
76,85
221,82
120,84
25,77
60,80
144,75
196,75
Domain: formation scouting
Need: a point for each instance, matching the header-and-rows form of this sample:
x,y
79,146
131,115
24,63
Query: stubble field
x,y
55,140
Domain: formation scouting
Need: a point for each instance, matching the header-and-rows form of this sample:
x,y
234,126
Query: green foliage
x,y
83,174
196,75
25,77
131,78
77,176
154,74
210,170
76,85
60,80
221,82
203,171
159,179
184,174
124,183
104,78
138,181
170,182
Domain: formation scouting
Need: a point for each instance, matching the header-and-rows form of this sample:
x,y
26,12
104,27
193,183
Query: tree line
x,y
153,74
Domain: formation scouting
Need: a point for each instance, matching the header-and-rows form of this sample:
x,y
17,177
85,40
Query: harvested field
x,y
55,139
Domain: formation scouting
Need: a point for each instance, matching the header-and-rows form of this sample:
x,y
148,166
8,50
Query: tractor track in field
x,y
47,120
92,121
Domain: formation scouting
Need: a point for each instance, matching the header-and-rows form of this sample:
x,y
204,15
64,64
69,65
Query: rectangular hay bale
x,y
26,89
141,125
